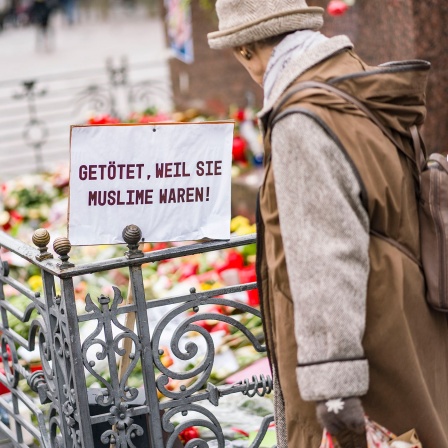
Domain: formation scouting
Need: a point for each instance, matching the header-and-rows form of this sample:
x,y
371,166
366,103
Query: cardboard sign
x,y
173,180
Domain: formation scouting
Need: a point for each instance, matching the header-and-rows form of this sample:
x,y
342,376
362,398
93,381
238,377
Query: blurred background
x,y
65,61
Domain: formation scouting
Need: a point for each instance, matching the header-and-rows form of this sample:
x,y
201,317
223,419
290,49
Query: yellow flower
x,y
246,229
208,286
238,222
35,282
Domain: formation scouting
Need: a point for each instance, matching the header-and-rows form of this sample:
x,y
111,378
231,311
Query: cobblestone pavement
x,y
76,49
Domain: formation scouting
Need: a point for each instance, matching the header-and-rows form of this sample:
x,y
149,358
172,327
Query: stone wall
x,y
382,30
215,80
390,30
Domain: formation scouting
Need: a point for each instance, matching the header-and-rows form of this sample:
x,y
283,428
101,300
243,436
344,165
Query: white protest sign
x,y
173,180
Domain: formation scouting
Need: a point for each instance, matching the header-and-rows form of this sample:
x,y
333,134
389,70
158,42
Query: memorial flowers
x,y
378,437
339,7
36,201
247,148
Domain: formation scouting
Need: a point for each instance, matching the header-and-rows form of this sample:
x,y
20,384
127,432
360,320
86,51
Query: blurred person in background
x,y
4,9
347,327
69,8
40,14
20,12
8,13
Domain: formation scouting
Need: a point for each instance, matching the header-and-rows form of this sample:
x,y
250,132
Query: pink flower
x,y
337,8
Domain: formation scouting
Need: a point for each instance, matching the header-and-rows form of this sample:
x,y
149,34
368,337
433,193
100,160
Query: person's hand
x,y
340,415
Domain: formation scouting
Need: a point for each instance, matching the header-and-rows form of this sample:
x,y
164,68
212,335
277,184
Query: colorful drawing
x,y
180,31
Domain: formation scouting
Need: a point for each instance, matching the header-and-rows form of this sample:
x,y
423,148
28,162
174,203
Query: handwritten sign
x,y
173,180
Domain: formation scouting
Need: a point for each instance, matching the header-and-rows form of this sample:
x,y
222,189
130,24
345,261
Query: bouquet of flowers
x,y
378,437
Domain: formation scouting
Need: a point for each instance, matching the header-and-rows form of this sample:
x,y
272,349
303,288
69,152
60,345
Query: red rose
x,y
239,149
234,260
221,326
35,368
104,119
159,246
188,434
337,8
240,115
187,270
8,351
248,275
3,388
207,325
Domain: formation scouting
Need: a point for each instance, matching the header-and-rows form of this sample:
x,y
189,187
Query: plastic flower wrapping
x,y
378,437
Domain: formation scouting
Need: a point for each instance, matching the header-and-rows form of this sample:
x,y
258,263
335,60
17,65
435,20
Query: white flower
x,y
335,405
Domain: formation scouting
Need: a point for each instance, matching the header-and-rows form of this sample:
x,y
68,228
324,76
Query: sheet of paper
x,y
173,180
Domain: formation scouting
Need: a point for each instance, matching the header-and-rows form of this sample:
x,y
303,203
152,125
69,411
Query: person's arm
x,y
325,232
